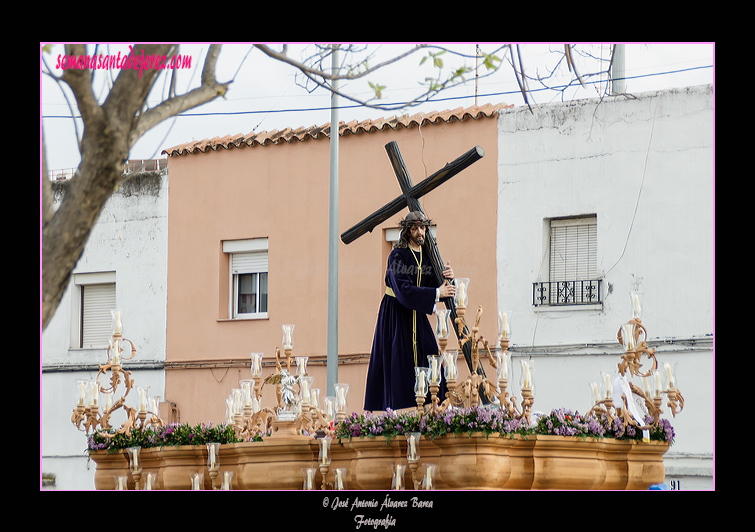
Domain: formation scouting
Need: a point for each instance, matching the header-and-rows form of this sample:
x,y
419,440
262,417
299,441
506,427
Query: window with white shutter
x,y
94,298
573,249
572,266
248,297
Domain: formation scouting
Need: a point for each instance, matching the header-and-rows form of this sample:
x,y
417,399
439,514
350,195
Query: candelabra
x,y
89,418
468,392
633,338
297,412
297,401
87,415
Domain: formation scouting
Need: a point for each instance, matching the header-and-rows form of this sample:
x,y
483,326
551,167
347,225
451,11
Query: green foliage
x,y
168,435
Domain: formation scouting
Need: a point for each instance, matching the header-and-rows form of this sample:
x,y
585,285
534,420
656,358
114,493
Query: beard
x,y
418,241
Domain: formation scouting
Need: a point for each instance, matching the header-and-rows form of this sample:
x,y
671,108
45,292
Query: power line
x,y
449,98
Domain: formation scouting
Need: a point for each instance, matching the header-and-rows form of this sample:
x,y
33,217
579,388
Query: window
x,y
93,299
572,272
248,277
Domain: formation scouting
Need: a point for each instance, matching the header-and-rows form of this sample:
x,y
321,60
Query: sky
x,y
264,95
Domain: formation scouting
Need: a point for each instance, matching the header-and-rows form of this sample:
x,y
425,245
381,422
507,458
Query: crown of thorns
x,y
414,219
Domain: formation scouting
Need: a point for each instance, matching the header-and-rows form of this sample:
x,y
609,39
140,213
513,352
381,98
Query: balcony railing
x,y
566,293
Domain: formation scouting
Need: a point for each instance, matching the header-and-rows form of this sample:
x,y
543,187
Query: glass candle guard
x,y
412,446
462,291
421,381
342,390
451,372
434,362
442,327
256,364
288,336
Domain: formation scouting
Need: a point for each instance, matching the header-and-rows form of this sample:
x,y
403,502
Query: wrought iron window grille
x,y
553,293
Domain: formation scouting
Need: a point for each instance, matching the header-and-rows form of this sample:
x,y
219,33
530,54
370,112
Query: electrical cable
x,y
432,100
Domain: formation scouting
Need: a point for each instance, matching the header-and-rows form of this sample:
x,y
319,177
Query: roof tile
x,y
265,138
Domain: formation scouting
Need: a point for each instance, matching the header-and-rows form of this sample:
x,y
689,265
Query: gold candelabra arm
x,y
675,401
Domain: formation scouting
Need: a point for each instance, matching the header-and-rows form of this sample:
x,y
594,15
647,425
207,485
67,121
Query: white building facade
x,y
610,197
124,267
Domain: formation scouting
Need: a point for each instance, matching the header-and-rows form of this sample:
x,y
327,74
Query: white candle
x,y
212,457
421,385
595,392
117,322
527,376
82,392
143,399
256,364
116,352
149,483
670,376
412,448
608,385
324,450
462,293
136,460
636,305
339,479
504,325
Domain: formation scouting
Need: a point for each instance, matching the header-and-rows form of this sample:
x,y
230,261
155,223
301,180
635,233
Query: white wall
x,y
130,238
644,165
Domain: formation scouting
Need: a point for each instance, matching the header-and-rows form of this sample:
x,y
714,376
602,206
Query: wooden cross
x,y
409,197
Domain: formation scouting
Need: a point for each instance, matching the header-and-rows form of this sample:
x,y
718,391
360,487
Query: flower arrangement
x,y
173,434
390,424
453,421
491,420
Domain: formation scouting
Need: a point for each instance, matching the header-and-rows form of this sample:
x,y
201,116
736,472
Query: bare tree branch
x,y
109,132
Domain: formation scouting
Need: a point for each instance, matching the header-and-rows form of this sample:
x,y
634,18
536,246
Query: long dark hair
x,y
412,219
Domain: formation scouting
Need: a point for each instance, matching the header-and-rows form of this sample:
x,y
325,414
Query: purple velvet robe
x,y
390,376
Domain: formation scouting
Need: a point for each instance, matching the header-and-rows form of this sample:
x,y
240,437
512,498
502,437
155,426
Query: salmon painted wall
x,y
281,192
